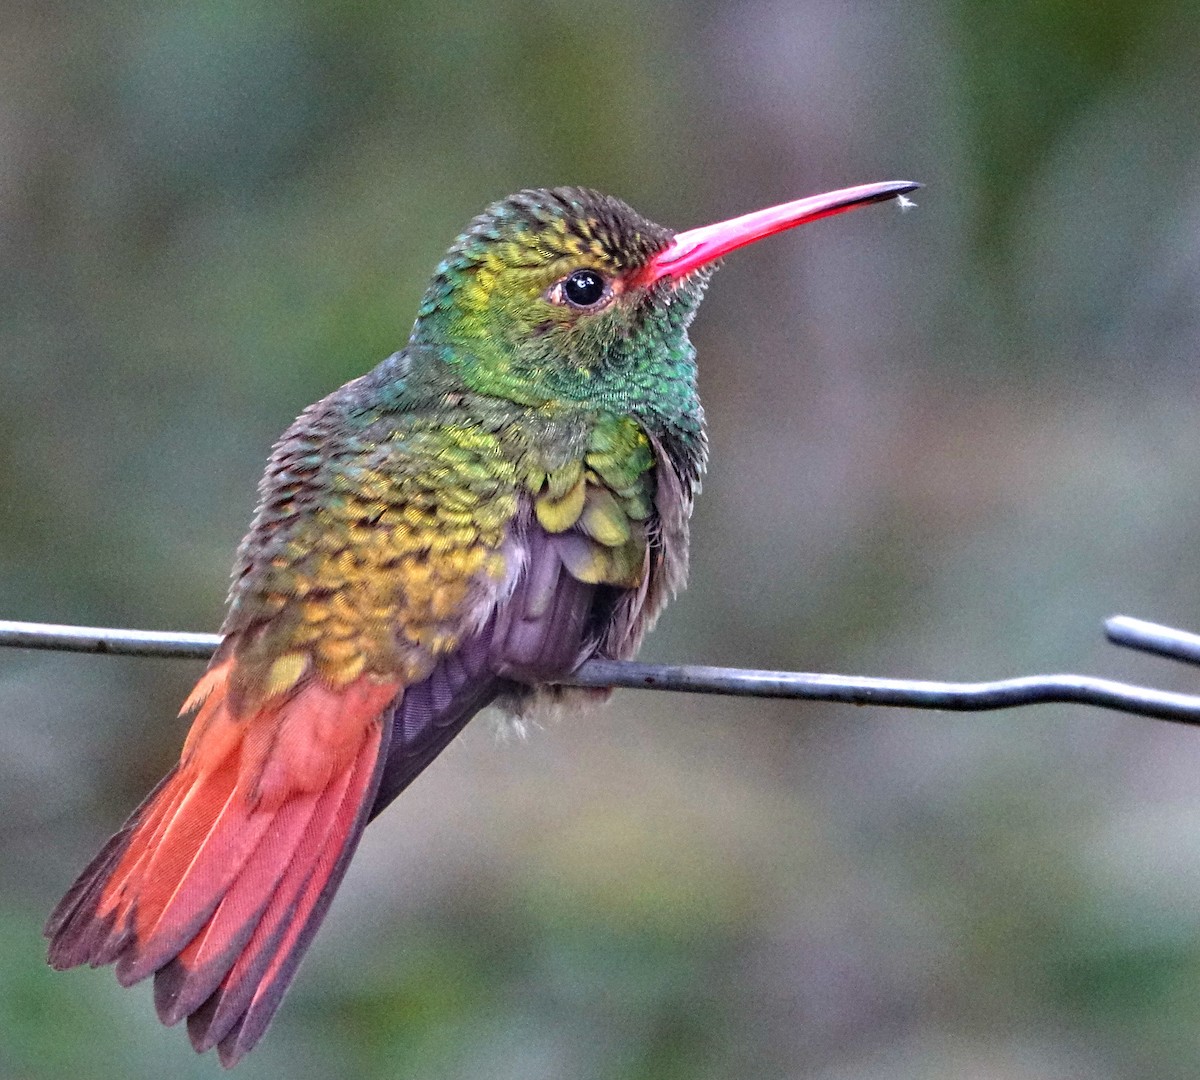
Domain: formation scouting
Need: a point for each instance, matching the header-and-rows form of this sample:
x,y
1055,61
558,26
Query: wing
x,y
599,544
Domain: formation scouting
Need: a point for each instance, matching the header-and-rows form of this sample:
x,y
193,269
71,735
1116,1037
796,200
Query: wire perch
x,y
742,682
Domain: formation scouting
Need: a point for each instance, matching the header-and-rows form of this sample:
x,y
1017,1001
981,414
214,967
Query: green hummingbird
x,y
504,498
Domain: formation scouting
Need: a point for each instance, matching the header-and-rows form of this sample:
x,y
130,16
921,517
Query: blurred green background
x,y
946,443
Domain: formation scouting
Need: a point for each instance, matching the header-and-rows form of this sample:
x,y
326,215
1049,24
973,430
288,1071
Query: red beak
x,y
694,248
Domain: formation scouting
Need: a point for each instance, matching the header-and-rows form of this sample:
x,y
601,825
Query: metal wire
x,y
97,639
1153,638
741,682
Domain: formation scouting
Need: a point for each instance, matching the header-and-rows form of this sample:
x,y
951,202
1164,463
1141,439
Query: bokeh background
x,y
946,443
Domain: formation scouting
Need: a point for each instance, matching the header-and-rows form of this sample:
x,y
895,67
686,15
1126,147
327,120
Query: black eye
x,y
585,288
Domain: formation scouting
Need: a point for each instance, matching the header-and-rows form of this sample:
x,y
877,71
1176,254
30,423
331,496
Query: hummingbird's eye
x,y
582,289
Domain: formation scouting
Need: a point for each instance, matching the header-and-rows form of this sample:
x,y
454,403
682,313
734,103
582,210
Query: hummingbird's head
x,y
546,295
567,294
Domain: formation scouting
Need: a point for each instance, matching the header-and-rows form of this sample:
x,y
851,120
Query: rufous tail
x,y
219,880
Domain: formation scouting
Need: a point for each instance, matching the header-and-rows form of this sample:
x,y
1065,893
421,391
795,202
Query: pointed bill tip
x,y
697,247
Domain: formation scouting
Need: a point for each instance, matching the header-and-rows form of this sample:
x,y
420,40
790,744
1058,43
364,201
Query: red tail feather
x,y
220,878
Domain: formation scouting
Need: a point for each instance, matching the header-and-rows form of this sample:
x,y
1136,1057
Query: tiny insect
x,y
904,203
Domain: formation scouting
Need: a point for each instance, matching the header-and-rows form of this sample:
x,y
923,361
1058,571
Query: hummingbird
x,y
499,501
